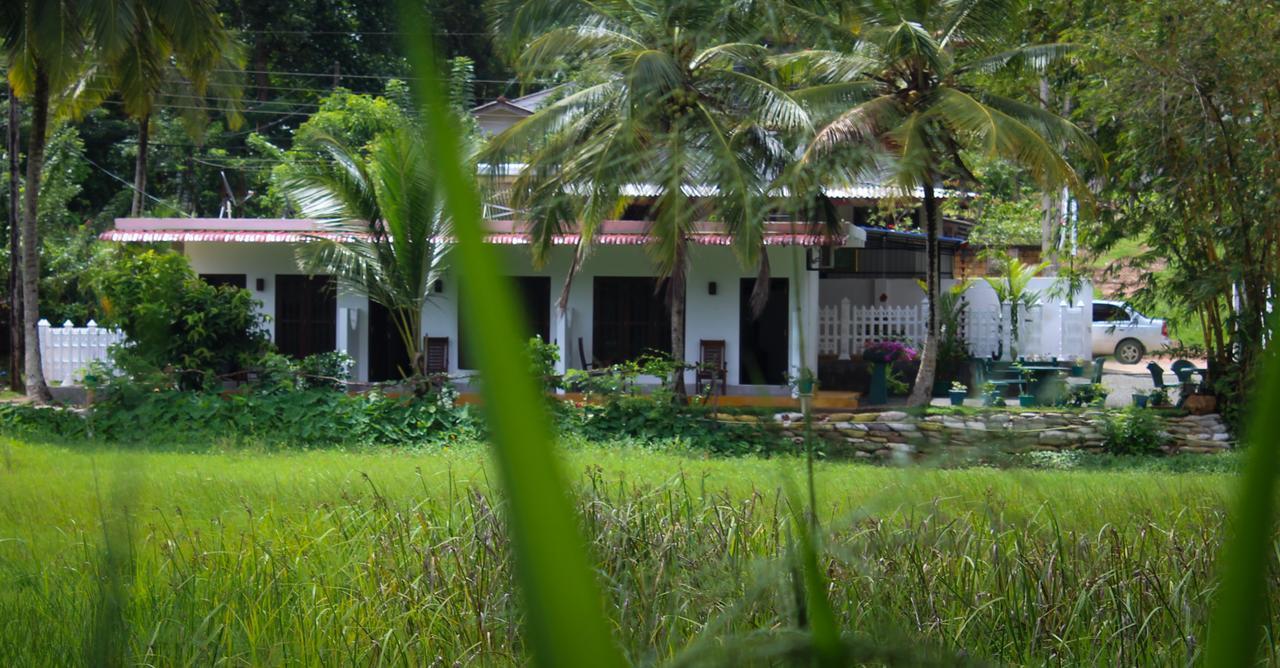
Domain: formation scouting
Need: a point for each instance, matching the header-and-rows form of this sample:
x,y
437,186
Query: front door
x,y
388,356
306,315
762,344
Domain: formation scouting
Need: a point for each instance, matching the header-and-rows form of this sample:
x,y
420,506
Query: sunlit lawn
x,y
399,556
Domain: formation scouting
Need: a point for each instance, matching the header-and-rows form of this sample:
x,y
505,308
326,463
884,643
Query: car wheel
x,y
1129,351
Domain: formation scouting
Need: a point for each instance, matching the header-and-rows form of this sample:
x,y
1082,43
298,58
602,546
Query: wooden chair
x,y
436,351
711,366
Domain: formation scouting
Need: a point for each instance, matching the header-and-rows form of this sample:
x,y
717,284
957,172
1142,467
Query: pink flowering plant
x,y
888,351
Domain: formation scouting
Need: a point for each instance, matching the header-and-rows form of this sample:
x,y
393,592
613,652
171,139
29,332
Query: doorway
x,y
388,356
763,342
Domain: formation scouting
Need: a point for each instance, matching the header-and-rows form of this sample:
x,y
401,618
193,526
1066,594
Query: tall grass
x,y
328,557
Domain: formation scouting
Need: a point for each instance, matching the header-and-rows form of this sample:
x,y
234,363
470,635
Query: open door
x,y
763,346
388,357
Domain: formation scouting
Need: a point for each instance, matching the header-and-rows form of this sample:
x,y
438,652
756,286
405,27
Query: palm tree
x,y
174,52
44,44
905,77
391,233
672,97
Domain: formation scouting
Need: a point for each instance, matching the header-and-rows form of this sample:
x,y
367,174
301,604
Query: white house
x,y
615,311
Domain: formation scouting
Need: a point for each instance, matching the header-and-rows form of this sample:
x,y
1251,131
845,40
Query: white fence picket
x,y
65,351
845,329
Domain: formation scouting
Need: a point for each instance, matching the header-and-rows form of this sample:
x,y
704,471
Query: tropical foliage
x,y
674,109
387,235
909,79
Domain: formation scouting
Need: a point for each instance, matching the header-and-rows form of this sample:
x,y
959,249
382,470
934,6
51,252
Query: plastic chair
x,y
1097,370
1183,370
1157,375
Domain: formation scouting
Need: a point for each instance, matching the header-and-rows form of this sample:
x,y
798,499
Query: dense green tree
x,y
1185,96
905,77
45,45
673,95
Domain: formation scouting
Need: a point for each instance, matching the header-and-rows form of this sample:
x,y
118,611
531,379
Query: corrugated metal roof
x,y
505,232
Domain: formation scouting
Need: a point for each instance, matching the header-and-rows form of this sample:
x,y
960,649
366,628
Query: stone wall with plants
x,y
896,433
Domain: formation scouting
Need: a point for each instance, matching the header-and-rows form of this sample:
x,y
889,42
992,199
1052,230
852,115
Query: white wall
x,y
265,261
707,316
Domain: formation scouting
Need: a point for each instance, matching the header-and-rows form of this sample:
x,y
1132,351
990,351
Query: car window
x,y
1109,313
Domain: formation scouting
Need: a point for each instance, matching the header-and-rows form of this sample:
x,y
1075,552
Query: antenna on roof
x,y
229,201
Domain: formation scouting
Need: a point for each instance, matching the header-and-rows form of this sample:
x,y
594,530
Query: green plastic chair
x,y
1157,375
1097,369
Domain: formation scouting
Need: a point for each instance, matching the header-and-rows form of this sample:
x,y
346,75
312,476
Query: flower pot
x,y
993,399
1077,371
1140,400
957,397
879,391
1026,400
1201,404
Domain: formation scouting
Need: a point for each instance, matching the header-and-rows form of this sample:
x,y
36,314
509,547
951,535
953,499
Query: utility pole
x,y
16,349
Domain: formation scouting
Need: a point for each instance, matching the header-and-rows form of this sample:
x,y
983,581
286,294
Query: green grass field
x,y
399,557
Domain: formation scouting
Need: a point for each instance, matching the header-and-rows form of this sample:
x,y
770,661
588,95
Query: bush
x,y
176,325
306,418
1132,431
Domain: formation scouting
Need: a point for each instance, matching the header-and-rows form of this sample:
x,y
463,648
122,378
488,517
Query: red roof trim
x,y
508,233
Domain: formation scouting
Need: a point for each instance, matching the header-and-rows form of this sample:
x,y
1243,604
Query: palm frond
x,y
1037,57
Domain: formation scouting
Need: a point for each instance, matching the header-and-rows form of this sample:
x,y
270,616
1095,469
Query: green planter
x,y
879,391
957,397
1140,400
1026,400
992,399
1077,371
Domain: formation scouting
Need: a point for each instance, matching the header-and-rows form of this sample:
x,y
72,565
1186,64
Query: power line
x,y
132,187
215,109
438,33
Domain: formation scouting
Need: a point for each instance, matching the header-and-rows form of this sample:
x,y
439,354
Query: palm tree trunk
x,y
923,389
15,252
677,287
37,389
140,167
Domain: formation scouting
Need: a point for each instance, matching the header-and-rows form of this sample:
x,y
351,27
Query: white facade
x,y
708,316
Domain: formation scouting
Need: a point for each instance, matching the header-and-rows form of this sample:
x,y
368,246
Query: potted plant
x,y
991,394
1158,398
881,354
1139,400
958,392
1025,398
1077,367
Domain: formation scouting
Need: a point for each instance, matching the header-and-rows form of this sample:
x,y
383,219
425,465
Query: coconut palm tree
x,y
179,53
44,44
391,235
906,77
672,100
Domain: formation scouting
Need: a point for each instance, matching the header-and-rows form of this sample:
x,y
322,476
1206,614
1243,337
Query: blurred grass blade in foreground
x,y
1242,610
565,620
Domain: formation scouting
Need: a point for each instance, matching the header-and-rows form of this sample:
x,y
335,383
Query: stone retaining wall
x,y
891,433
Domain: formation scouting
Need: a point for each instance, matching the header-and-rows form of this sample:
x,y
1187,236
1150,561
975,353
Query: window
x,y
306,315
631,318
1109,313
216,280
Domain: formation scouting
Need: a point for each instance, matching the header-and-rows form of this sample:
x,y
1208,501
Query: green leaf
x,y
566,624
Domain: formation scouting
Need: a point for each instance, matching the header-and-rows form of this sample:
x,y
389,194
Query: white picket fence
x,y
65,351
844,329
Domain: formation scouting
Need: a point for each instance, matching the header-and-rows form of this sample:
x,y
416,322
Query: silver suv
x,y
1121,331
